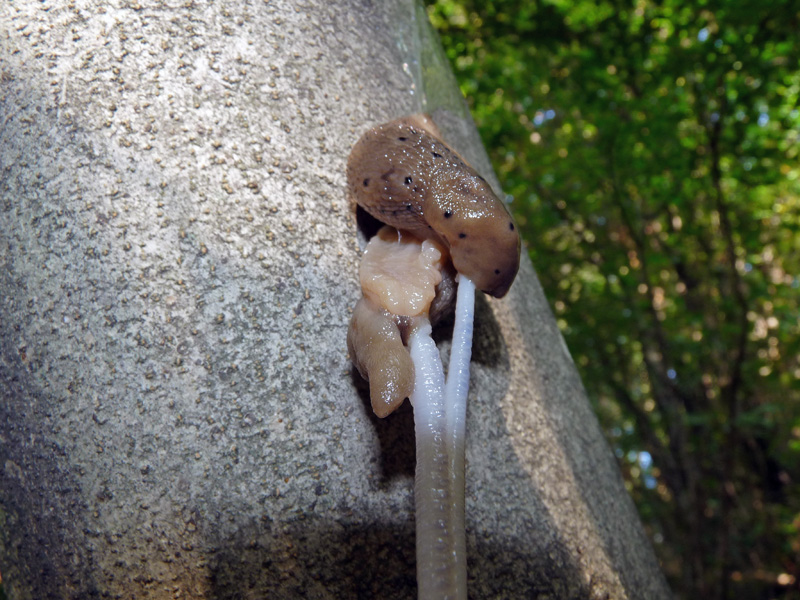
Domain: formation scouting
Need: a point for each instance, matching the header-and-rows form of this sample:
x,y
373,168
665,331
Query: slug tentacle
x,y
404,175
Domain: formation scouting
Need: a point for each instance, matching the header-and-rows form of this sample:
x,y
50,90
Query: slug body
x,y
405,176
377,349
404,280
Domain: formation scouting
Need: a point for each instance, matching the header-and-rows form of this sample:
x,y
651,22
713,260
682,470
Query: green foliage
x,y
652,150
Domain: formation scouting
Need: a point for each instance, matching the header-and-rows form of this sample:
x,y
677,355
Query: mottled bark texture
x,y
178,415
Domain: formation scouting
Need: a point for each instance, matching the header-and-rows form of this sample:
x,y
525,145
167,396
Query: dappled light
x,y
651,150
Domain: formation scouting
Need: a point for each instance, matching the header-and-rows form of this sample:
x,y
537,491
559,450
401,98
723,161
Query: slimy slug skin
x,y
377,351
446,219
402,174
403,279
400,272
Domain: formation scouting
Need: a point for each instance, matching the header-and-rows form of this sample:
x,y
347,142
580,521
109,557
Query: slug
x,y
403,279
378,353
404,175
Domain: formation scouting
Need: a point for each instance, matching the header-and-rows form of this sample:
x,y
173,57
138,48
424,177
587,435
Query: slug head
x,y
484,241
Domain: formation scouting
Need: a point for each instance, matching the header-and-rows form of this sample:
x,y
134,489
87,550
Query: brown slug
x,y
404,175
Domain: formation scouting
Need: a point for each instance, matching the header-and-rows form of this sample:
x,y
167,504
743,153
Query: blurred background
x,y
651,149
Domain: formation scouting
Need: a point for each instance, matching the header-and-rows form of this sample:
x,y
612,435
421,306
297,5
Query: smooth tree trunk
x,y
178,264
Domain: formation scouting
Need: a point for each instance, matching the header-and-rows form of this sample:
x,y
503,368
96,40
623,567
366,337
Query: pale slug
x,y
403,279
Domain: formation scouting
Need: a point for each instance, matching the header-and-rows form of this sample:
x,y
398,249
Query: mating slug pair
x,y
405,176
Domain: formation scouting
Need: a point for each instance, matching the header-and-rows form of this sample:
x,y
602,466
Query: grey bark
x,y
178,263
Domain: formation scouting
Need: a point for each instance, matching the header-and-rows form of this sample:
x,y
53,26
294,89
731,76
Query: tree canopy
x,y
651,150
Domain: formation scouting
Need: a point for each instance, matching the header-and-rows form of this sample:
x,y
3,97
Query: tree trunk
x,y
179,417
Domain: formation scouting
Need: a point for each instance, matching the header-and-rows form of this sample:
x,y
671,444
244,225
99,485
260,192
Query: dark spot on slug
x,y
409,189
